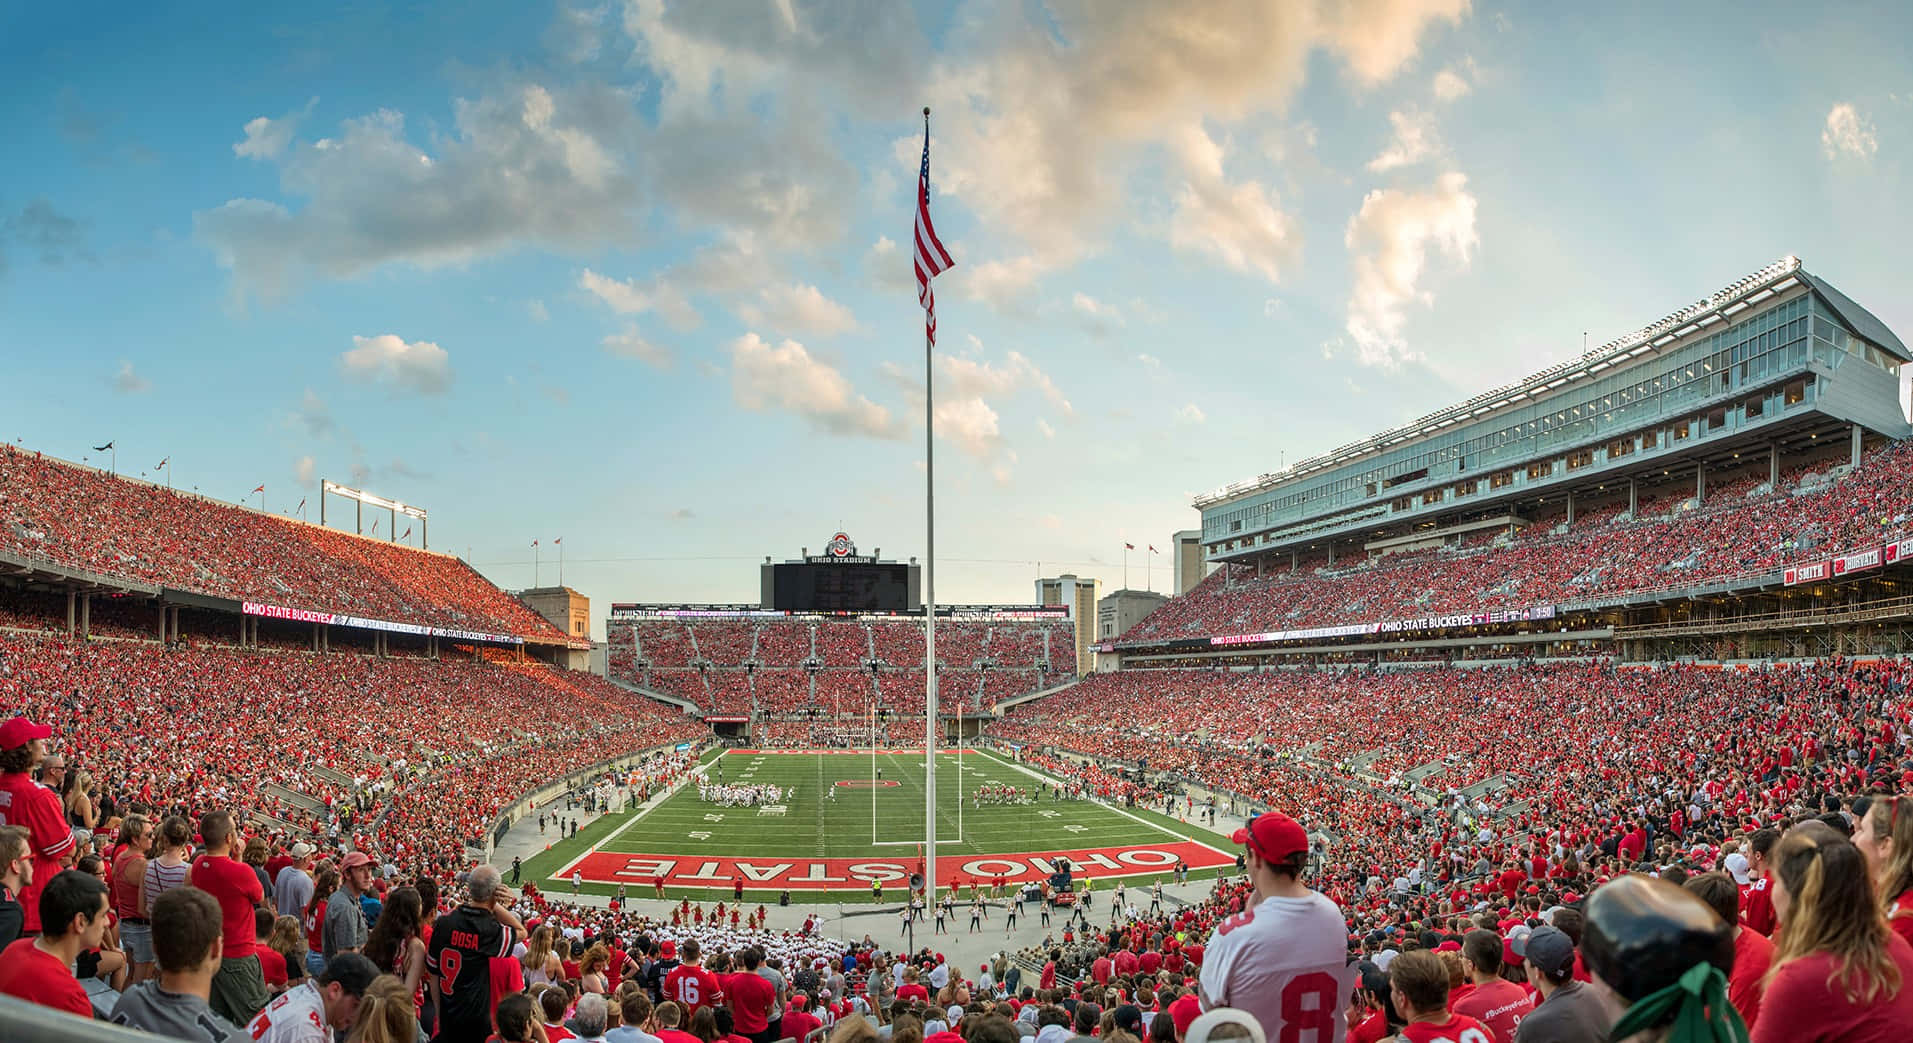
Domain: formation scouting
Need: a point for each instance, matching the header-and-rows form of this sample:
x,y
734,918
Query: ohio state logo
x,y
840,546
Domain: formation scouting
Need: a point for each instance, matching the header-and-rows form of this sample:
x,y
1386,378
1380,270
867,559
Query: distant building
x,y
567,610
1186,551
1122,609
1080,595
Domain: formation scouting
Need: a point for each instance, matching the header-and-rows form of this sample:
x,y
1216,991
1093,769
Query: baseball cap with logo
x,y
1274,836
18,731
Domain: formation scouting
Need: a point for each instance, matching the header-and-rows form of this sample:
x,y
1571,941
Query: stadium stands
x,y
410,758
75,517
1744,527
652,654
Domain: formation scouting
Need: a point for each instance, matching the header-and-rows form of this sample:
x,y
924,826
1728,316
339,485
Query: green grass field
x,y
858,820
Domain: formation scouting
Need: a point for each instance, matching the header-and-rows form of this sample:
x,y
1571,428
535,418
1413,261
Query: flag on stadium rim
x,y
931,258
1129,546
109,445
259,489
1153,550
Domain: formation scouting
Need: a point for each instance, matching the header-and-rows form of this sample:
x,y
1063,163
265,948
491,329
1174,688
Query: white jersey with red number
x,y
1460,1029
297,1016
1283,962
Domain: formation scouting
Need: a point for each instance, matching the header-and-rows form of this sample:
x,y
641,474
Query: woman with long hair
x,y
542,965
591,975
288,939
1838,973
77,794
324,883
703,1023
1885,837
394,945
385,1013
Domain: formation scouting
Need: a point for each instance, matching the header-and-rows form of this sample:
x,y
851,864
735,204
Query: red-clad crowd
x,y
76,517
1744,527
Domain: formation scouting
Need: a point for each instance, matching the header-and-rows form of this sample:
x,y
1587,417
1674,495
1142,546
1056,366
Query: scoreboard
x,y
834,587
841,580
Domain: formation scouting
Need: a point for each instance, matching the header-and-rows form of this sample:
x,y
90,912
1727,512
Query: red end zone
x,y
850,753
816,874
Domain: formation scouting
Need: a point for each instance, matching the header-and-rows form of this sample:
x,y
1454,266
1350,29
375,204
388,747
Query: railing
x,y
1865,611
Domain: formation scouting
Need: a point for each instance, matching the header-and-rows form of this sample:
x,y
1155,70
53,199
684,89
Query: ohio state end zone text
x,y
603,867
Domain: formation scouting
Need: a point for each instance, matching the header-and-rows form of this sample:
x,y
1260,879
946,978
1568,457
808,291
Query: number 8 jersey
x,y
1284,963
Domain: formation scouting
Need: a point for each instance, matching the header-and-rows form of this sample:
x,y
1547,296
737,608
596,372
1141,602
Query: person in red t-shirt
x,y
799,1022
689,985
24,802
910,990
1885,837
751,998
1753,953
39,969
1756,903
1830,978
1494,1001
1418,985
239,988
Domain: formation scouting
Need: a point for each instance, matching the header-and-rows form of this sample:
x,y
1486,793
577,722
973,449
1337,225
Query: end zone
x,y
819,874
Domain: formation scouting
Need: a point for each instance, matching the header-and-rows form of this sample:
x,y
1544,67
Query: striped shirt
x,y
161,878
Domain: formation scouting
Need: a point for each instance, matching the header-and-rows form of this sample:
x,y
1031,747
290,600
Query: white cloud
x,y
627,343
529,166
306,470
1043,427
797,308
887,268
1848,133
627,298
127,381
1414,141
1450,84
1391,238
1190,413
391,360
1237,224
1001,284
1150,360
1379,37
537,310
268,138
786,377
1096,316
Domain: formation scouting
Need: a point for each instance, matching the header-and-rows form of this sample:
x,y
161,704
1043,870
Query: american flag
x,y
931,257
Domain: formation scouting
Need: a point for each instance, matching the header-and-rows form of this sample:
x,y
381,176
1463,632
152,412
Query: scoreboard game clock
x,y
841,580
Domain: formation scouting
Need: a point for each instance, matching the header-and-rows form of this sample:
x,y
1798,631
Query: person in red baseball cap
x,y
24,802
1282,959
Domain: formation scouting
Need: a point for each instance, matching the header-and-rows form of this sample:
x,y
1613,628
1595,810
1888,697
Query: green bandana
x,y
1701,1011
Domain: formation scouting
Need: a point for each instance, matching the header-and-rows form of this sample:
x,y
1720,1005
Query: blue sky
x,y
636,275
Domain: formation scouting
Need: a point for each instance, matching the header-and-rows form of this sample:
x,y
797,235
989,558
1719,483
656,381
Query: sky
x,y
636,276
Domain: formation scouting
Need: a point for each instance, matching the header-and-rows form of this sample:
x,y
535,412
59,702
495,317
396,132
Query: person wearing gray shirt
x,y
344,917
187,926
1567,1011
769,972
292,889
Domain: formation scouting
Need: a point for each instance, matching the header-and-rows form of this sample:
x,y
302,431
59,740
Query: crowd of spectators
x,y
1744,527
79,518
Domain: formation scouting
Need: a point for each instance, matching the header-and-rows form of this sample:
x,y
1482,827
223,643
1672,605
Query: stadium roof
x,y
1717,308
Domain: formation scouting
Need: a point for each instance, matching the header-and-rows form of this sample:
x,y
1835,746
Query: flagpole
x,y
929,597
1125,566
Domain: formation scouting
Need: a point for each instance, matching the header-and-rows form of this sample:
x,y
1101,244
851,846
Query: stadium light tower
x,y
393,509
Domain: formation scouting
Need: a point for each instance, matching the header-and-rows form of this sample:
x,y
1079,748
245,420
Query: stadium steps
x,y
1014,700
664,697
293,797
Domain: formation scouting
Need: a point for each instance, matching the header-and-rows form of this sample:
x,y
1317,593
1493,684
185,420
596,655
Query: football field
x,y
843,819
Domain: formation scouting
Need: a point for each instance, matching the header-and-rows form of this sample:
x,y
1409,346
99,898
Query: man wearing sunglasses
x,y
1282,959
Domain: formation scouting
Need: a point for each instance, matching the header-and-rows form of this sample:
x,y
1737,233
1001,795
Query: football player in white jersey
x,y
1283,959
